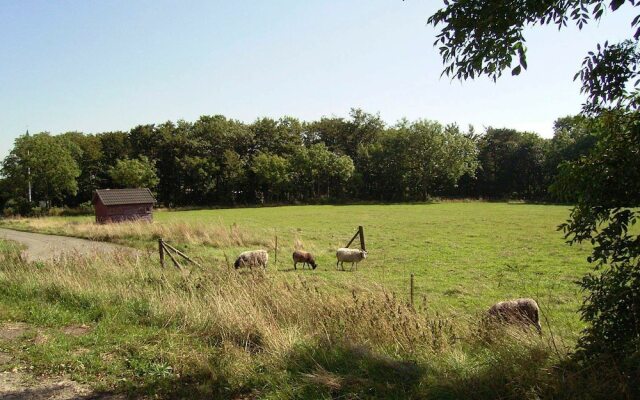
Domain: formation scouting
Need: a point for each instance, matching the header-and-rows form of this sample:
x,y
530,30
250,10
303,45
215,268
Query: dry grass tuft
x,y
298,244
215,235
324,378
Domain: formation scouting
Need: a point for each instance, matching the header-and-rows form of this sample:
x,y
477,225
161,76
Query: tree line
x,y
220,161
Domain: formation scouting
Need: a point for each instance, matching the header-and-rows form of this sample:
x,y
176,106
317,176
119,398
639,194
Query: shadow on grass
x,y
201,385
284,269
355,372
310,372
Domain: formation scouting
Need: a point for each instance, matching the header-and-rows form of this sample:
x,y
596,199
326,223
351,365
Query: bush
x,y
17,207
85,208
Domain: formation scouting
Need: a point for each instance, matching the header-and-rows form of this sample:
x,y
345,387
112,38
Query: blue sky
x,y
100,66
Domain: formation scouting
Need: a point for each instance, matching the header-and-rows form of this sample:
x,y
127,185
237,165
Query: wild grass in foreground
x,y
223,333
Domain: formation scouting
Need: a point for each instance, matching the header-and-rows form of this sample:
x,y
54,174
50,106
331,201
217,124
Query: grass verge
x,y
128,326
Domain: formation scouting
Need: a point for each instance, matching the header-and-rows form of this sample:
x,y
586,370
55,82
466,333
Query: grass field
x,y
465,256
306,334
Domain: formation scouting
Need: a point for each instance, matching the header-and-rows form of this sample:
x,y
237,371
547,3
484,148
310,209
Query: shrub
x,y
17,207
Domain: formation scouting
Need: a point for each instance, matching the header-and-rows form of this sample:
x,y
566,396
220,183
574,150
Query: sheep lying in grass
x,y
518,311
305,258
354,256
254,258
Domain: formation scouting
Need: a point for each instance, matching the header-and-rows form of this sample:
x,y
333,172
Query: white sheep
x,y
518,311
354,256
254,258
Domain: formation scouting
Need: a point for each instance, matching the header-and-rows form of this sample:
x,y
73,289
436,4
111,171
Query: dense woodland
x,y
221,161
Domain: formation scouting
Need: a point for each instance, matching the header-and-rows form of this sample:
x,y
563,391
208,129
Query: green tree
x,y
485,38
382,165
606,186
481,37
416,160
147,140
573,137
47,162
87,151
317,172
512,163
209,138
115,146
437,157
345,136
280,137
136,173
234,175
340,170
272,173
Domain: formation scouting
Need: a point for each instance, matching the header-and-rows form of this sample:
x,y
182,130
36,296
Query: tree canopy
x,y
136,173
481,37
47,162
216,160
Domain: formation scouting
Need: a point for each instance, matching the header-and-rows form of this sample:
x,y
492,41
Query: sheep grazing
x,y
518,311
305,258
252,259
354,256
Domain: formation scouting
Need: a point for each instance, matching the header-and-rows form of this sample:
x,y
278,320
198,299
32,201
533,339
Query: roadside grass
x,y
465,256
128,326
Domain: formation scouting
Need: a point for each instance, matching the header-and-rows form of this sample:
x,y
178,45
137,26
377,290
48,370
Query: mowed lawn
x,y
465,256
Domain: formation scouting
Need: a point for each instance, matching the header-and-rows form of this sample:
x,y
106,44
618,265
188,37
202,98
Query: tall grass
x,y
220,331
198,233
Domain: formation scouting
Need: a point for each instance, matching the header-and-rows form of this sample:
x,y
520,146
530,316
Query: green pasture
x,y
465,256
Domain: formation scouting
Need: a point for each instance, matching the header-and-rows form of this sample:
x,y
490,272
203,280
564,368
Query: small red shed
x,y
116,205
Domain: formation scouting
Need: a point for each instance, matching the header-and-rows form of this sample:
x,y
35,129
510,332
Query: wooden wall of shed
x,y
128,212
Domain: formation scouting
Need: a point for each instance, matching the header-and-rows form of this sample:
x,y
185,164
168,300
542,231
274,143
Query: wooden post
x,y
411,290
353,238
161,250
276,255
180,253
361,233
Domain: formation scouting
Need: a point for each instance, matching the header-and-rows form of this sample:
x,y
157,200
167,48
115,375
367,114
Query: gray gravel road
x,y
45,247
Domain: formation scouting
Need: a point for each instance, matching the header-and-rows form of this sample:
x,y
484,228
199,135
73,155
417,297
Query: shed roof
x,y
117,197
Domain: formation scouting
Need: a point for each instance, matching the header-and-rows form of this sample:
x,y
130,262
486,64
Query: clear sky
x,y
99,66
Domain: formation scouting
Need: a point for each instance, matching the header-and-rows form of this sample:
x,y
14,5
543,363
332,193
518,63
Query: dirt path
x,y
15,385
18,383
45,247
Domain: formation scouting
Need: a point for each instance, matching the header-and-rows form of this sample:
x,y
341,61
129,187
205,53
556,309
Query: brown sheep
x,y
518,311
305,258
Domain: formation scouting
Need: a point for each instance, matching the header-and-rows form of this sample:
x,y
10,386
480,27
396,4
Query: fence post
x,y
354,238
411,290
161,250
361,232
